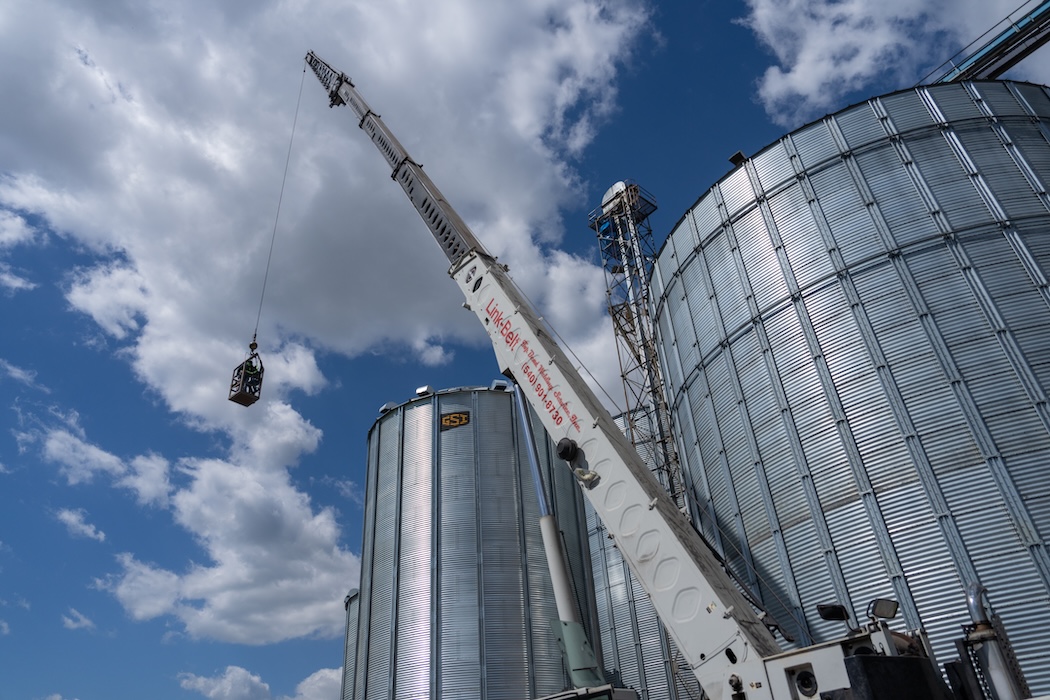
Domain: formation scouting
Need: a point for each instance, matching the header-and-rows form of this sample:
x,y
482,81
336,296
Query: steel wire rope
x,y
280,199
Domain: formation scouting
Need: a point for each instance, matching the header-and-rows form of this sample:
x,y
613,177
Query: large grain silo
x,y
455,595
855,329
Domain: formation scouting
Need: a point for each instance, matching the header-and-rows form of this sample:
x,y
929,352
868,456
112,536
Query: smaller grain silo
x,y
455,595
352,604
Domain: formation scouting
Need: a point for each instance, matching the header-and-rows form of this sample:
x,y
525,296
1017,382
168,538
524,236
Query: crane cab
x,y
246,384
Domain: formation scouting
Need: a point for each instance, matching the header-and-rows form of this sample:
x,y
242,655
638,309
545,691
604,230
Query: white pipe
x,y
563,596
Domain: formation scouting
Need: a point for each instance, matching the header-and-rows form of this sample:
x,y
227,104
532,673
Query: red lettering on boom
x,y
533,369
502,324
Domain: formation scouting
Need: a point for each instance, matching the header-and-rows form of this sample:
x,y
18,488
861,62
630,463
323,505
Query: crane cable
x,y
277,216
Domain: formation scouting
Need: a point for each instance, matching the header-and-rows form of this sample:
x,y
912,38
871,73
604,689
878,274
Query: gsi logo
x,y
454,420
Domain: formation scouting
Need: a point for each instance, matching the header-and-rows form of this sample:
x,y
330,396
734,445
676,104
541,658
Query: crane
x,y
725,642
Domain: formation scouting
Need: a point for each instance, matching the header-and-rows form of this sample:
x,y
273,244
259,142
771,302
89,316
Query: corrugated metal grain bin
x,y
456,599
352,604
855,327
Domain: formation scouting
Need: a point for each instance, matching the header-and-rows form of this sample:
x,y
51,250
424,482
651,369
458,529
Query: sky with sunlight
x,y
157,540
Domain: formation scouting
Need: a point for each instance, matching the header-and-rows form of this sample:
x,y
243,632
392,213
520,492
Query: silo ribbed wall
x,y
352,604
855,328
456,599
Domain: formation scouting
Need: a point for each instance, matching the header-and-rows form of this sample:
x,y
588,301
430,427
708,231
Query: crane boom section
x,y
715,628
451,232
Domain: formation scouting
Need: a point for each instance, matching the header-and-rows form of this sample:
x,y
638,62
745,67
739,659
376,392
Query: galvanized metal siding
x,y
367,551
381,620
456,597
347,684
503,558
867,406
414,555
459,591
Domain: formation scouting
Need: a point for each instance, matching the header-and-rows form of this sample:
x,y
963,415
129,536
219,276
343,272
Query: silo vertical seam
x,y
1010,231
364,618
713,417
704,500
483,670
1044,129
632,609
396,587
665,655
435,549
1016,510
517,445
878,361
349,675
946,521
757,463
798,303
656,310
703,508
1012,149
607,589
676,276
790,431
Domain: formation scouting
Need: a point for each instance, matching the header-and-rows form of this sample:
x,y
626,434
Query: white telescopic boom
x,y
715,628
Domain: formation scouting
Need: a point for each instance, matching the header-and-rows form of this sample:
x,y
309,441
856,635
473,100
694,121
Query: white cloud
x,y
237,683
12,281
148,478
75,522
14,229
827,49
76,621
5,628
145,591
275,569
20,375
79,460
349,490
176,186
166,168
321,685
114,295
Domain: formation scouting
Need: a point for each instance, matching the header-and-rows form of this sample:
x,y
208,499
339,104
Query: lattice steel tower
x,y
626,242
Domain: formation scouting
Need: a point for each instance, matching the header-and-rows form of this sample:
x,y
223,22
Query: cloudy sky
x,y
156,538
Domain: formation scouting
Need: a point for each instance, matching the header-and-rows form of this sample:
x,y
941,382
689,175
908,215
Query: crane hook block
x,y
247,380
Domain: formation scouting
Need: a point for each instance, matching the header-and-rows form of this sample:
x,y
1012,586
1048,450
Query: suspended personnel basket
x,y
247,379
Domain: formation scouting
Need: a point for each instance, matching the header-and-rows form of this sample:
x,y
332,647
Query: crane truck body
x,y
717,631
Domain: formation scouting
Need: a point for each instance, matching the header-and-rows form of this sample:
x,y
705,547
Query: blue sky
x,y
156,538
